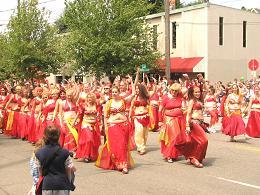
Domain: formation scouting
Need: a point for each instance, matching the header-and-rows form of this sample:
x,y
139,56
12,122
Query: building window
x,y
79,78
244,33
221,28
155,37
174,35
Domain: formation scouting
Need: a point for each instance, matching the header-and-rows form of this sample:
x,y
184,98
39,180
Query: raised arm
x,y
56,109
9,101
137,76
154,87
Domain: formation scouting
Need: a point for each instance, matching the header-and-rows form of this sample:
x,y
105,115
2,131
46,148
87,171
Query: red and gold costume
x,y
172,133
89,134
154,108
235,125
196,148
115,154
211,109
3,116
13,108
70,133
24,118
253,125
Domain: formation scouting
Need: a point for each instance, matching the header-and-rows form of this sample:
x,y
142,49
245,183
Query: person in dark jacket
x,y
59,167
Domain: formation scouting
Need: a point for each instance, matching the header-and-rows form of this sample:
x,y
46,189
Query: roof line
x,y
192,7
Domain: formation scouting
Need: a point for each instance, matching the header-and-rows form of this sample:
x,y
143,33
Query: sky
x,y
57,6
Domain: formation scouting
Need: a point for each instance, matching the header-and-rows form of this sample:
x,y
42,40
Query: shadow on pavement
x,y
208,162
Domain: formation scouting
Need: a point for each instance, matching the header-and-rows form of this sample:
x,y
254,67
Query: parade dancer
x,y
210,104
67,115
48,111
34,125
115,154
154,107
253,125
24,114
106,95
89,132
196,149
3,115
139,111
235,125
13,106
172,121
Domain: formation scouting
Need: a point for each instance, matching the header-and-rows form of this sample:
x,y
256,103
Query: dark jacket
x,y
56,178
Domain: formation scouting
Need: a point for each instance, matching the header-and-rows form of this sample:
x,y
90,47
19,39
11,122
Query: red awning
x,y
181,64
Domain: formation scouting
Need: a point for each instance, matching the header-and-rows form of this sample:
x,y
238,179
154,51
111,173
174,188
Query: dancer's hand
x,y
245,113
160,124
187,130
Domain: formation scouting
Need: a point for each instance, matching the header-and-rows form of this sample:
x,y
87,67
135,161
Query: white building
x,y
216,40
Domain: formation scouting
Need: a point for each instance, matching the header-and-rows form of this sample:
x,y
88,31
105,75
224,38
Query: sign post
x,y
253,65
144,69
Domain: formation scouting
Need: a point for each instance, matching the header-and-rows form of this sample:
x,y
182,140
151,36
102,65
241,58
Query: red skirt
x,y
16,127
5,117
154,119
23,125
253,125
225,121
172,136
213,117
132,135
32,136
89,142
115,154
234,126
197,147
69,141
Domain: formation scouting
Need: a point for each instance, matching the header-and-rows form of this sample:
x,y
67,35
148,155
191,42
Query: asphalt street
x,y
230,168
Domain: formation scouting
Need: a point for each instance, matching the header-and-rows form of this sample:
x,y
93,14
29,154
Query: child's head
x,y
39,145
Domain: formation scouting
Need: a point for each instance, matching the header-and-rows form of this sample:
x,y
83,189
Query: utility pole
x,y
18,7
167,39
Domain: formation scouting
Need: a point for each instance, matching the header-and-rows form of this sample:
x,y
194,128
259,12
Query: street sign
x,y
253,65
144,68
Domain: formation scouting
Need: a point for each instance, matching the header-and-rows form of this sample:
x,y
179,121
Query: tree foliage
x,y
32,41
6,67
108,37
158,5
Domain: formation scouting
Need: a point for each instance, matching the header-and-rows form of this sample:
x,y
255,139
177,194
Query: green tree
x,y
6,67
158,5
110,38
33,44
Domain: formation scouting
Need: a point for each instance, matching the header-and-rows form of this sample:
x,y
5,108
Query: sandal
x,y
169,160
196,163
232,139
125,171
